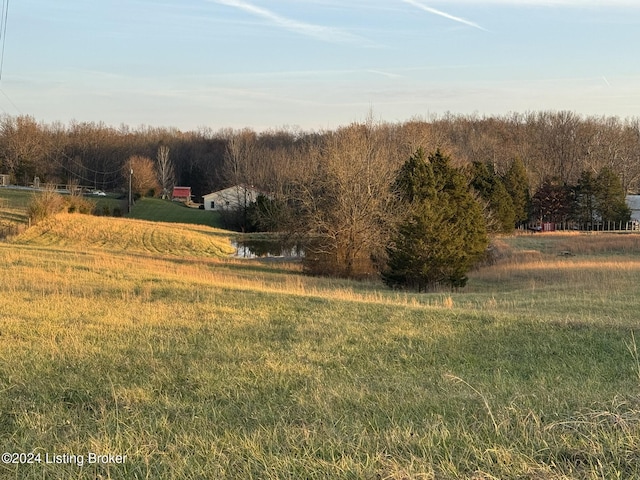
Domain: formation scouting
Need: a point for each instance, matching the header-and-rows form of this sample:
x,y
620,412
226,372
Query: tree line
x,y
363,197
551,145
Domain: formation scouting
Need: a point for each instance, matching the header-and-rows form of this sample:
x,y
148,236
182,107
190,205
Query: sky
x,y
316,64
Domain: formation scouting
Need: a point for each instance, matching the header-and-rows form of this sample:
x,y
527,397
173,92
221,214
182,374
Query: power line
x,y
3,31
4,16
7,97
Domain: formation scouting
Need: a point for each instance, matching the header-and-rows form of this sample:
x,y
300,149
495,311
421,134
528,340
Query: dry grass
x,y
564,257
120,235
576,243
568,279
197,365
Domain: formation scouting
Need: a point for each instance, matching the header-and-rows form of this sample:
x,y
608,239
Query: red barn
x,y
181,194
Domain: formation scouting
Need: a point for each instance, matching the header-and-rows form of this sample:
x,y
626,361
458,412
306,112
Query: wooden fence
x,y
626,227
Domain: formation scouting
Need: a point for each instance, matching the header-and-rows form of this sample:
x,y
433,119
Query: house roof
x,y
234,189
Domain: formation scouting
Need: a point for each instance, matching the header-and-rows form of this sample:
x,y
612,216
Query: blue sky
x,y
316,64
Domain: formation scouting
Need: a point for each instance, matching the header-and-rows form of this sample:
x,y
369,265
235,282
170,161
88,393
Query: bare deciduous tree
x,y
144,181
24,147
239,156
166,175
347,202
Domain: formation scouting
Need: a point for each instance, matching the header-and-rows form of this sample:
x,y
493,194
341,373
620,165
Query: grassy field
x,y
157,210
197,365
13,207
14,203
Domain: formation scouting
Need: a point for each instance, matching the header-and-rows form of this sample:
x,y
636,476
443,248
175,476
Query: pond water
x,y
266,248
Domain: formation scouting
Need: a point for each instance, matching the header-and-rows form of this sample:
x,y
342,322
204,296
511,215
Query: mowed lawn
x,y
213,367
158,210
13,205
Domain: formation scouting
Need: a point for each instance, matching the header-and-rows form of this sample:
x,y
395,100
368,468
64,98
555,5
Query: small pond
x,y
266,248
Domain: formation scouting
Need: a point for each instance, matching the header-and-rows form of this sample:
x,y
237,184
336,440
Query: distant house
x,y
633,202
181,194
4,180
238,196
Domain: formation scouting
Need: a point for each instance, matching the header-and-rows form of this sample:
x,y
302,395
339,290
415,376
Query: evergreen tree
x,y
517,185
492,190
502,206
443,233
482,178
610,197
584,198
415,179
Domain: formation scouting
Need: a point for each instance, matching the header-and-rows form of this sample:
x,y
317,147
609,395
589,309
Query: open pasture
x,y
197,365
158,210
13,209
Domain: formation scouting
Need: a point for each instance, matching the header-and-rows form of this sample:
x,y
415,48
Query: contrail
x,y
317,31
444,14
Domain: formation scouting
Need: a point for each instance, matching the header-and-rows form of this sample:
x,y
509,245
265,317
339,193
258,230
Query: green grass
x,y
157,210
14,202
110,204
13,205
221,368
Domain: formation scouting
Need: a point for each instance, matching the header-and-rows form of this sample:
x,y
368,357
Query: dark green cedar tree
x,y
442,235
585,210
516,183
490,187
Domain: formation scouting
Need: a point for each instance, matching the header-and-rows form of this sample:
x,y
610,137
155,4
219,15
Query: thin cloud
x,y
549,3
319,32
384,74
444,14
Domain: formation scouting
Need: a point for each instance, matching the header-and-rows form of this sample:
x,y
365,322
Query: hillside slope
x,y
121,234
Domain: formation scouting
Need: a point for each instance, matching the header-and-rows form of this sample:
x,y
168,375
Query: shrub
x,y
9,229
79,204
44,204
48,202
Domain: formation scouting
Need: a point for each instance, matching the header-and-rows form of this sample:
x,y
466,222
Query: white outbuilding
x,y
633,202
231,198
